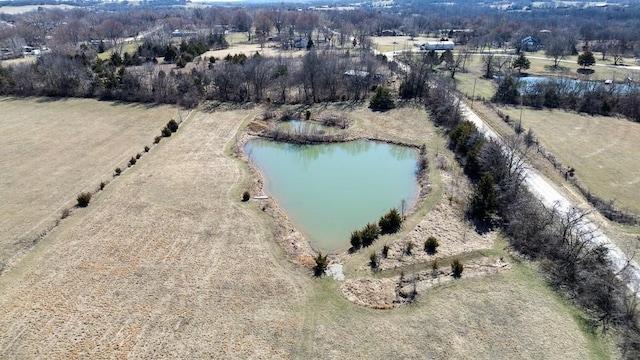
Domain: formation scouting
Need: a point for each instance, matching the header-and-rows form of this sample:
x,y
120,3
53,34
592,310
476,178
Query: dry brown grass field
x,y
54,150
167,262
602,149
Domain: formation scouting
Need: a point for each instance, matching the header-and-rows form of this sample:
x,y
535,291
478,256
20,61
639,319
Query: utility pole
x,y
473,95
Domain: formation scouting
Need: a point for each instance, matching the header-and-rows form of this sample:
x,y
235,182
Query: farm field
x,y
167,262
54,150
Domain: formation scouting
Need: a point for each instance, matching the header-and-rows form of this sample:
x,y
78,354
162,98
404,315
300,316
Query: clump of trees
x,y
388,223
365,236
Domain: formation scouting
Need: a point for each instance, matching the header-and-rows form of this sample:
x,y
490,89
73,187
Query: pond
x,y
304,127
329,190
528,84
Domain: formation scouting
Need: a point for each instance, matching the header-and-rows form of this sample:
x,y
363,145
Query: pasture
x,y
167,262
603,150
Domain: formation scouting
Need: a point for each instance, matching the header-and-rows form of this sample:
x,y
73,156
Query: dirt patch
x,y
387,293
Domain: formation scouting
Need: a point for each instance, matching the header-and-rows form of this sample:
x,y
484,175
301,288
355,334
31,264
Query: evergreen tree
x,y
484,203
507,91
521,62
586,59
381,100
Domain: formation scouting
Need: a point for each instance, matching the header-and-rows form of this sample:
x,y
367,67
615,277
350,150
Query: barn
x,y
437,45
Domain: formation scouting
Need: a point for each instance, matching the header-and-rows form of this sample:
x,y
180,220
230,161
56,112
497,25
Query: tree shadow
x,y
558,68
585,71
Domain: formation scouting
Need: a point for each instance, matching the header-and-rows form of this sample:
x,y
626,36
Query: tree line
x,y
582,96
317,76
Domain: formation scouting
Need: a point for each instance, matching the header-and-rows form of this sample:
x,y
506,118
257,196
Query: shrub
x,y
321,265
370,233
385,251
132,161
373,260
390,222
409,248
83,199
431,245
138,156
157,139
172,125
146,149
434,269
246,196
456,268
356,239
102,185
307,115
118,171
166,132
422,165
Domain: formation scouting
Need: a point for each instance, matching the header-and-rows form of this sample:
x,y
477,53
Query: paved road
x,y
550,197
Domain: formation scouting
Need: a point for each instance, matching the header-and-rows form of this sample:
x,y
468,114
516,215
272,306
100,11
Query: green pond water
x,y
328,190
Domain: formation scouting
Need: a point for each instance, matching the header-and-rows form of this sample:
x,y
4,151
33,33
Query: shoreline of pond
x,y
297,246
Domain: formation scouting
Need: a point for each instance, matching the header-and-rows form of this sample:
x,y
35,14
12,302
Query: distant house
x,y
301,43
30,51
183,33
438,45
382,3
530,44
358,73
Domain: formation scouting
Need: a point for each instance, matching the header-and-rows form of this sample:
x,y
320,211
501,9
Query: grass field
x,y
167,262
603,150
55,149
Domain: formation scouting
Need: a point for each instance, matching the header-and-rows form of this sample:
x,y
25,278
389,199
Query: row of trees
x,y
318,76
583,96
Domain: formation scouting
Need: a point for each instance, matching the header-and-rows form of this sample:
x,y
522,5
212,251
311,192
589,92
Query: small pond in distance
x,y
328,190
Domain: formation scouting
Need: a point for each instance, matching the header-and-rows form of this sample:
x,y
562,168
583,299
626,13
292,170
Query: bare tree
x,y
489,62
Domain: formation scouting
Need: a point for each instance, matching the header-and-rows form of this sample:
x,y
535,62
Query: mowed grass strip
x,y
603,150
55,149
